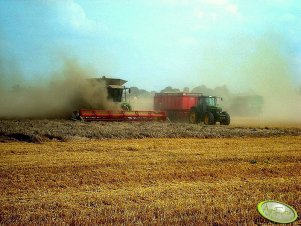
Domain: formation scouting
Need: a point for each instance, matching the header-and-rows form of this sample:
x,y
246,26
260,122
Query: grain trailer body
x,y
176,105
192,107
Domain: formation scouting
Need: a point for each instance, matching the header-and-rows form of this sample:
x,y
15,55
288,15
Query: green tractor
x,y
208,111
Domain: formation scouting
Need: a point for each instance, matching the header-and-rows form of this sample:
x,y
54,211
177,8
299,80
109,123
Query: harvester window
x,y
115,94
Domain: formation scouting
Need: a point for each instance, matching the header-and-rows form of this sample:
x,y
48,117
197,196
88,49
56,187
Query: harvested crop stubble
x,y
148,181
44,130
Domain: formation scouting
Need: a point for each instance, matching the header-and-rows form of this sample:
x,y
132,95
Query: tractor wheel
x,y
193,116
226,120
209,119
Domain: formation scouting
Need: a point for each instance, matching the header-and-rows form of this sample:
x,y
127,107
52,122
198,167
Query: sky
x,y
153,44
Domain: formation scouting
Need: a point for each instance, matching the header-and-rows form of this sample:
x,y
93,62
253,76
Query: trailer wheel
x,y
193,116
209,119
226,120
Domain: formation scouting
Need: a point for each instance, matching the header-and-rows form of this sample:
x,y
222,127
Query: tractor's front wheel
x,y
226,120
193,116
209,119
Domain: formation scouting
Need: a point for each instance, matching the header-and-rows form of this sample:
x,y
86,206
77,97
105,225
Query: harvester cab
x,y
116,90
208,111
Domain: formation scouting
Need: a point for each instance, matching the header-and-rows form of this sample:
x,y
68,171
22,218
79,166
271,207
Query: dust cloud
x,y
269,72
69,89
257,70
142,103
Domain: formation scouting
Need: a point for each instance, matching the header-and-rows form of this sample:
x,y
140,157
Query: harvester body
x,y
117,93
192,107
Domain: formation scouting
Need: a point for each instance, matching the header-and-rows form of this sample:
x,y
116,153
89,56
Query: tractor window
x,y
210,101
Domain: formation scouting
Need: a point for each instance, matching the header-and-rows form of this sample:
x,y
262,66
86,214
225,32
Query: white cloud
x,y
70,13
77,15
212,11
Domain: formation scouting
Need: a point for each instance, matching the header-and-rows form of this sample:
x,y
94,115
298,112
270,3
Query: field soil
x,y
150,181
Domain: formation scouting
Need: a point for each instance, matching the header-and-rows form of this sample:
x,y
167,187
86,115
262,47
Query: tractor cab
x,y
208,111
208,100
209,103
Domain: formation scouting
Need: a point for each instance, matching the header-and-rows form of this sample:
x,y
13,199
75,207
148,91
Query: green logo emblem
x,y
277,212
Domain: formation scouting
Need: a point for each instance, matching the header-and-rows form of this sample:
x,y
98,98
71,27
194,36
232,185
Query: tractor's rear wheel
x,y
193,116
209,119
226,120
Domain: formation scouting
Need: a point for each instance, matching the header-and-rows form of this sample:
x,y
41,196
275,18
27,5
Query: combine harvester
x,y
117,93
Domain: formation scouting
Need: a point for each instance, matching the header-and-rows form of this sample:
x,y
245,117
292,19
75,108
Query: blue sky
x,y
155,43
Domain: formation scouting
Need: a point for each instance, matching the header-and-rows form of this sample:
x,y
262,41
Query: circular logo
x,y
277,212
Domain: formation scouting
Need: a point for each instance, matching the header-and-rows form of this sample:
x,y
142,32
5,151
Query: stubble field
x,y
43,130
149,181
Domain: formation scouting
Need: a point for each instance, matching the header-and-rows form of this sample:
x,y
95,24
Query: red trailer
x,y
176,105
